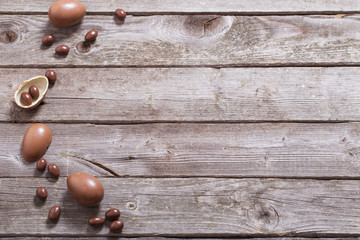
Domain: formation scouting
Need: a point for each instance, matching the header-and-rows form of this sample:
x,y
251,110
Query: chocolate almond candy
x,y
36,141
54,213
41,192
51,76
26,99
120,14
91,36
62,50
41,164
34,92
112,214
116,226
96,221
54,170
48,40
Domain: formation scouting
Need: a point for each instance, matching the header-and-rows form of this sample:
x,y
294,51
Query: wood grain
x,y
189,207
122,95
187,6
195,40
192,150
169,238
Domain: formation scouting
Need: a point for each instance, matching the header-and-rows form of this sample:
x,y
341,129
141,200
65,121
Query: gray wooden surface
x,y
186,40
203,119
284,150
119,95
187,207
141,7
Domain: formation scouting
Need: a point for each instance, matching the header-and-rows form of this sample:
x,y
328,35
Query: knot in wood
x,y
8,36
265,216
83,46
202,26
131,205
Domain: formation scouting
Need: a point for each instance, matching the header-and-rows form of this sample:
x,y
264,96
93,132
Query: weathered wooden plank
x,y
190,207
188,150
121,95
169,238
188,6
199,40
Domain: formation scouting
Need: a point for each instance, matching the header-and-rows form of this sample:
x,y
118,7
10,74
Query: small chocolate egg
x,y
112,214
54,213
26,99
41,164
62,50
41,192
96,221
48,40
91,36
66,13
34,92
51,76
120,14
116,226
85,189
36,141
54,170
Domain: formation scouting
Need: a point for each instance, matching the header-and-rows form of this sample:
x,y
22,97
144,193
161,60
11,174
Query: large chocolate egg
x,y
85,189
36,141
66,13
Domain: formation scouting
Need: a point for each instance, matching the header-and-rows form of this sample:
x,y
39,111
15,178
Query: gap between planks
x,y
219,66
170,238
234,13
139,122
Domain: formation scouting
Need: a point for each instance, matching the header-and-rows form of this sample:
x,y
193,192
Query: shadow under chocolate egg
x,y
38,203
17,114
118,21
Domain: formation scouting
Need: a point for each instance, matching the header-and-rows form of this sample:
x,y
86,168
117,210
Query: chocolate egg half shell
x,y
66,13
36,141
40,82
85,189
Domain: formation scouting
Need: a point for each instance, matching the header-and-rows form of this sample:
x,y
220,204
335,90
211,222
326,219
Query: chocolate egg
x,y
36,141
85,189
66,13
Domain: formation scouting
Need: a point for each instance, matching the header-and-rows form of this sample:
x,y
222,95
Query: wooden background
x,y
203,119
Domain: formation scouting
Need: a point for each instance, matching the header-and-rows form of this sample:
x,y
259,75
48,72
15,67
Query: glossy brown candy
x,y
85,189
91,36
54,170
116,226
96,221
65,13
41,192
51,76
112,214
48,40
62,50
34,92
54,213
120,14
26,99
41,164
36,141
